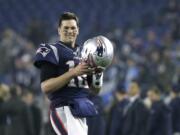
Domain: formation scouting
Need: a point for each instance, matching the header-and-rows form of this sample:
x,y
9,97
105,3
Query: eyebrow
x,y
72,27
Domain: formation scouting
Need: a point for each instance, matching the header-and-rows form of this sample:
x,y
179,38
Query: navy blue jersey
x,y
65,58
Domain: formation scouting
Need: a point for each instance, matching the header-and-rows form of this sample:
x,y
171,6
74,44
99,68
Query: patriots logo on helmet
x,y
100,49
43,50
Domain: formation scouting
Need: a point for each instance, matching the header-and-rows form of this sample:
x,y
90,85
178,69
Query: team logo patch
x,y
100,49
43,50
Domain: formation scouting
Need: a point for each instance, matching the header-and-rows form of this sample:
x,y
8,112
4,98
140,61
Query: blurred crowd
x,y
146,69
155,114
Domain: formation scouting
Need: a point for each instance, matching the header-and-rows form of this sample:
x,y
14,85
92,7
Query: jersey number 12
x,y
79,81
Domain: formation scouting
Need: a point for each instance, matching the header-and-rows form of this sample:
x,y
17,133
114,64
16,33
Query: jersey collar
x,y
67,45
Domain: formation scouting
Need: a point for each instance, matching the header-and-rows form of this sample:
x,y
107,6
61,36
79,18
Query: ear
x,y
78,30
59,30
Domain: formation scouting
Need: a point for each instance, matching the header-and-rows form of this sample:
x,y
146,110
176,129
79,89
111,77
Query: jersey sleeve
x,y
46,53
48,70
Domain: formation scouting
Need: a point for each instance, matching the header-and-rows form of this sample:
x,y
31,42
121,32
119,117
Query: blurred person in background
x,y
25,74
97,124
18,115
9,47
136,113
160,118
4,97
116,121
175,108
13,48
110,81
29,99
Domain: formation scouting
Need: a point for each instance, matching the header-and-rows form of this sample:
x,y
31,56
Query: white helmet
x,y
98,52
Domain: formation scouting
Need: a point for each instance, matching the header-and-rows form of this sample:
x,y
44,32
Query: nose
x,y
69,30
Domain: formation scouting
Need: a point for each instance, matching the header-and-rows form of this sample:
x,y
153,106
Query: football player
x,y
64,79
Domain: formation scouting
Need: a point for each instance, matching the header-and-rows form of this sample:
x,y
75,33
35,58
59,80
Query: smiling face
x,y
68,31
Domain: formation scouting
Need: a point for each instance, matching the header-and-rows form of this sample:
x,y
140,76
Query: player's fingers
x,y
84,65
88,70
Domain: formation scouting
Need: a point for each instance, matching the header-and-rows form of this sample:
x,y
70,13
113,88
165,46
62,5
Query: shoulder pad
x,y
46,53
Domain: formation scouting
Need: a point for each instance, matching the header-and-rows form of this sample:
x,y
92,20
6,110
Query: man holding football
x,y
66,79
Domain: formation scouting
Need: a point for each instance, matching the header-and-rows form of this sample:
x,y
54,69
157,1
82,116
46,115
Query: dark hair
x,y
120,88
68,16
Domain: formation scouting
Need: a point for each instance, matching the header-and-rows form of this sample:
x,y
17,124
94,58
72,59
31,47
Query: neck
x,y
133,98
73,45
157,100
69,44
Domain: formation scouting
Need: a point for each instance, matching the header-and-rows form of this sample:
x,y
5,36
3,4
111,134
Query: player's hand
x,y
83,68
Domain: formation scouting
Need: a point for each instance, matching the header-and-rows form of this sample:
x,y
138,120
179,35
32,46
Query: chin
x,y
69,42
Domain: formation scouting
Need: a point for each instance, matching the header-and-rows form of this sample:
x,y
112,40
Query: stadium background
x,y
145,33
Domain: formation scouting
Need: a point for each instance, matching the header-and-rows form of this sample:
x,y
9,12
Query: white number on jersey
x,y
79,81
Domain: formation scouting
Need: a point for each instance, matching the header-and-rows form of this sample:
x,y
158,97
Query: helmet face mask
x,y
98,51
